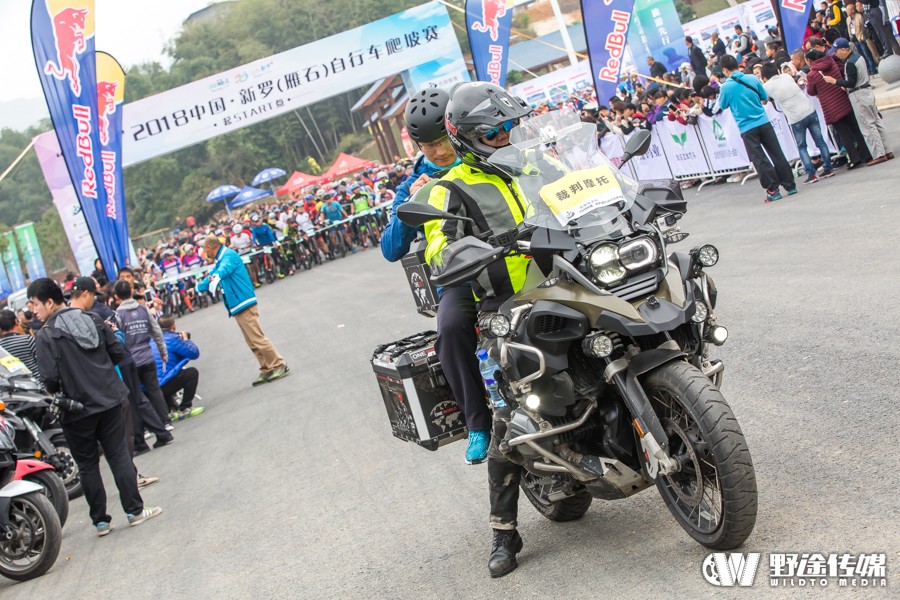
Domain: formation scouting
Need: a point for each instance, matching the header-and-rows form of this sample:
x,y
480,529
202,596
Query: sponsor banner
x,y
555,86
31,250
606,24
62,37
724,146
408,146
488,23
756,16
657,32
5,287
110,96
12,264
49,155
653,164
795,15
682,148
275,85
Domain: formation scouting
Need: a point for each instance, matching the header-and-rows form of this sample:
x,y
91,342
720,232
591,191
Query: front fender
x,y
27,466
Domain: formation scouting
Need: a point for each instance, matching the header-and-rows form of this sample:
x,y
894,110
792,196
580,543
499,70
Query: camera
x,y
65,404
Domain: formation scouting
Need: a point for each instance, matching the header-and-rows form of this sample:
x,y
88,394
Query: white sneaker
x,y
169,427
148,513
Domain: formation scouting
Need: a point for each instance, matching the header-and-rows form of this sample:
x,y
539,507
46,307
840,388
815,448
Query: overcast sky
x,y
133,31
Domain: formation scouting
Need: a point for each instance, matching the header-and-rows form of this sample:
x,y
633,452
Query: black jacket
x,y
81,362
698,60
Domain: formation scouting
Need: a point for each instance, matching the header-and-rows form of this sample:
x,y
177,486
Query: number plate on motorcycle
x,y
12,364
580,192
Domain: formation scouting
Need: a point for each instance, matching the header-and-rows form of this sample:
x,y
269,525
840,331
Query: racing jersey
x,y
170,266
191,262
332,211
241,241
263,235
305,223
360,203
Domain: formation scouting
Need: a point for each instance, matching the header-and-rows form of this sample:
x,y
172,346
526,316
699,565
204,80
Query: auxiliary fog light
x,y
598,346
495,326
708,255
717,335
533,401
700,312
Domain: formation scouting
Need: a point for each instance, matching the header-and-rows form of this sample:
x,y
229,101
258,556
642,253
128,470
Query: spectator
x,y
99,274
657,70
14,340
175,376
855,79
698,60
742,44
718,46
140,328
856,26
240,300
836,106
744,95
801,116
75,355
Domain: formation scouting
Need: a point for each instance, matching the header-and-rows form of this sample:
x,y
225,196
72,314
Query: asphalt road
x,y
297,490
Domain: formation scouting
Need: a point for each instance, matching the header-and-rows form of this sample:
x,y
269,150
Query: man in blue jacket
x,y
175,376
456,342
744,95
240,301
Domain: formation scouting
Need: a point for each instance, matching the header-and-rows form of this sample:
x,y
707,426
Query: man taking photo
x,y
76,354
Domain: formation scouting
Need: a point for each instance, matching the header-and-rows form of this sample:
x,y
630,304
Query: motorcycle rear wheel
x,y
54,490
38,537
713,497
567,509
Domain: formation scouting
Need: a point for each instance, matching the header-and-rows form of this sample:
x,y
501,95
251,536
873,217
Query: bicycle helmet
x,y
254,217
473,110
237,229
424,115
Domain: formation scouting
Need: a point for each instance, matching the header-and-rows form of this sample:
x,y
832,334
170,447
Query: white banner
x,y
420,40
784,133
611,145
555,86
724,146
651,165
682,148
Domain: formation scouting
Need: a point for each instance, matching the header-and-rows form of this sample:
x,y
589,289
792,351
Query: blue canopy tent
x,y
249,195
223,192
268,175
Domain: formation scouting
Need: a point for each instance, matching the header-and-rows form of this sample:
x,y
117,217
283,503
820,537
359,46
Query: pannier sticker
x,y
580,192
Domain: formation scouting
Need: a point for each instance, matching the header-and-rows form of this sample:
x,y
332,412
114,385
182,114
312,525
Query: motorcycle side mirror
x,y
637,145
416,214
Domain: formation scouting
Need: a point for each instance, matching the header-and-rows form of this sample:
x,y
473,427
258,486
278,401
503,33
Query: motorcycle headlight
x,y
637,254
700,312
494,326
707,255
605,265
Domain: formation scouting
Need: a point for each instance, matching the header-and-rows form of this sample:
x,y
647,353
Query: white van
x,y
17,300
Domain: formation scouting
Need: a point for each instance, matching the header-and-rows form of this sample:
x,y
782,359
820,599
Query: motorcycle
x,y
32,414
35,471
604,354
30,530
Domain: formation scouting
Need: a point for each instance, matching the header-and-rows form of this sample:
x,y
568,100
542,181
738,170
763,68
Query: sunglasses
x,y
491,134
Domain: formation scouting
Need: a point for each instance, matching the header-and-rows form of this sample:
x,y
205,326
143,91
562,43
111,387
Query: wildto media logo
x,y
798,569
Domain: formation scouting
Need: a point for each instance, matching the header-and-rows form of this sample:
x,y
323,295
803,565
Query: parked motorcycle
x,y
605,353
35,471
33,415
30,531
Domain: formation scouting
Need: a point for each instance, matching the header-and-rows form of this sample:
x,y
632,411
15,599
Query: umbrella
x,y
249,195
222,192
267,175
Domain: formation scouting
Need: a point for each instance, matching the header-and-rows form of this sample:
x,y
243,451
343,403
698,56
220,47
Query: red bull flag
x,y
606,30
110,97
62,37
488,23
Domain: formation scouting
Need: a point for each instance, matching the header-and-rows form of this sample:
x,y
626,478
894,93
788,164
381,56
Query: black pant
x,y
108,429
503,477
456,345
150,380
762,144
143,415
187,380
852,138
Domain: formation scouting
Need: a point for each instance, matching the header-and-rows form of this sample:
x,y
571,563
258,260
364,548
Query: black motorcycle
x,y
605,352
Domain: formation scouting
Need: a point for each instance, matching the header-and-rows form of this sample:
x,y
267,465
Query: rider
x,y
479,118
263,235
361,202
241,240
456,341
332,212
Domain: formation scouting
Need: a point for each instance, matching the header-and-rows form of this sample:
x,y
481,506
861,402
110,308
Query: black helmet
x,y
474,109
424,115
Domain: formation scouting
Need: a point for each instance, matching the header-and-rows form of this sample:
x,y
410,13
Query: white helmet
x,y
237,228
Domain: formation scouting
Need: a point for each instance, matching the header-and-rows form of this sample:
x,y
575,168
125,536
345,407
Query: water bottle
x,y
489,367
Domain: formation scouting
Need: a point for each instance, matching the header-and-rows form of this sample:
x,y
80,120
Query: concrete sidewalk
x,y
886,96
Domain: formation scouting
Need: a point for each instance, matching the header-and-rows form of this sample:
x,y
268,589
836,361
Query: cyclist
x,y
263,235
332,212
479,118
241,240
361,202
169,264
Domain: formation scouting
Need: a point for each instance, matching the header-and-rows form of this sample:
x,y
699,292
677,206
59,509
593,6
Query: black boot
x,y
505,545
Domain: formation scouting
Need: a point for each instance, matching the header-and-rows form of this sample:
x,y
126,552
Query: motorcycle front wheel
x,y
66,467
54,490
713,495
36,538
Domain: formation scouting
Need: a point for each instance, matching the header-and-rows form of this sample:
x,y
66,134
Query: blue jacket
x,y
263,235
234,279
397,236
745,102
180,353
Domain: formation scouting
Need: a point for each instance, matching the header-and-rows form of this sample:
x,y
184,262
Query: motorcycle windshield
x,y
557,165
